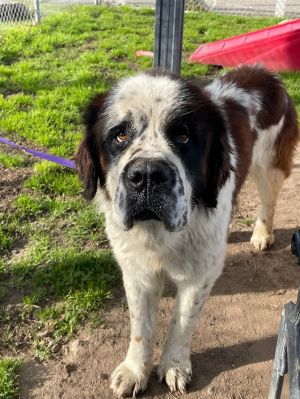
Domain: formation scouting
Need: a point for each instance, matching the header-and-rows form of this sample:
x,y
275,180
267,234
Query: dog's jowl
x,y
165,160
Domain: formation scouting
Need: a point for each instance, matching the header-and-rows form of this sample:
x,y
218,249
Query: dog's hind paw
x,y
125,382
261,238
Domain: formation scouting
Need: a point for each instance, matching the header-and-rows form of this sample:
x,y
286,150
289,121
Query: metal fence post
x,y
287,356
37,12
169,17
280,361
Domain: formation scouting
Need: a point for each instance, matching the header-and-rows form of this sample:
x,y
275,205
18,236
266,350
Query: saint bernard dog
x,y
164,159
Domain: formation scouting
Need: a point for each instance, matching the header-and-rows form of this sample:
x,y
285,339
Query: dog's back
x,y
262,120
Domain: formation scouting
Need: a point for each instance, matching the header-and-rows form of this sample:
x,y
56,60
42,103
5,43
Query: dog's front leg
x,y
143,292
175,365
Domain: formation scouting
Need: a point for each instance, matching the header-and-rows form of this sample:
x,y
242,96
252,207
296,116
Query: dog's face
x,y
157,146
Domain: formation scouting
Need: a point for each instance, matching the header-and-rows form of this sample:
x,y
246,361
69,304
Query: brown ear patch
x,y
89,158
86,170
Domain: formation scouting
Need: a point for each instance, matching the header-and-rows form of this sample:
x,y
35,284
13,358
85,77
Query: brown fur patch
x,y
89,158
275,104
267,85
287,139
243,138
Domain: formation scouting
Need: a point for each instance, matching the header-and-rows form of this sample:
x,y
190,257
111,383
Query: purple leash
x,y
43,155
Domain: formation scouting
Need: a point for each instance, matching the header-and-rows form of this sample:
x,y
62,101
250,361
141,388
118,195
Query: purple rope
x,y
49,157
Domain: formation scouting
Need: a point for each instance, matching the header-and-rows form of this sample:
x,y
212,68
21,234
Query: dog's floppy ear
x,y
89,157
215,162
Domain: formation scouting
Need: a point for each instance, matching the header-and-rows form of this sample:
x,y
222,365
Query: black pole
x,y
280,362
169,17
287,354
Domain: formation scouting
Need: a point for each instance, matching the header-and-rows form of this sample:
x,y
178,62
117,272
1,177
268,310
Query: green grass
x,y
5,239
73,283
11,160
53,249
52,179
51,70
8,378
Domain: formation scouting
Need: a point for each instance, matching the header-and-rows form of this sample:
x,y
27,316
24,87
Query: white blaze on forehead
x,y
153,97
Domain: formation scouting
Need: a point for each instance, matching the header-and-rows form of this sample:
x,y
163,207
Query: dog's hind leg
x,y
272,160
269,183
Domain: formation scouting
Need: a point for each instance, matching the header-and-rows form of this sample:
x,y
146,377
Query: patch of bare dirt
x,y
90,44
233,347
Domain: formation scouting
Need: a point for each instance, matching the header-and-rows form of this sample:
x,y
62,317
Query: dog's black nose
x,y
147,173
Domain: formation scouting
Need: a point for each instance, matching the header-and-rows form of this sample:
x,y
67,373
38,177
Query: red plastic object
x,y
277,47
143,53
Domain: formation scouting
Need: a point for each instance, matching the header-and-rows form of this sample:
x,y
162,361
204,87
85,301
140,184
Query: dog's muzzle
x,y
150,192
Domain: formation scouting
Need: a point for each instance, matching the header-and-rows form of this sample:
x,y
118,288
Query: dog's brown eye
x,y
122,137
183,138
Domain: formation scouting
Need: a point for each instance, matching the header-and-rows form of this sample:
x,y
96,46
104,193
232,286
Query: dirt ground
x,y
233,346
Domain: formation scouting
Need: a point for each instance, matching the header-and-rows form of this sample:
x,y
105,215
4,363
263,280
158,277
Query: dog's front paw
x,y
261,238
176,373
128,382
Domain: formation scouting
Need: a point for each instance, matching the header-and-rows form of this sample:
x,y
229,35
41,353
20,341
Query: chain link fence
x,y
277,8
20,11
31,11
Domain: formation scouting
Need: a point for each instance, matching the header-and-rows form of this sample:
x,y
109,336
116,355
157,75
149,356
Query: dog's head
x,y
157,147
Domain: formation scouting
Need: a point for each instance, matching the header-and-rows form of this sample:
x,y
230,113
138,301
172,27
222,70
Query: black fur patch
x,y
206,154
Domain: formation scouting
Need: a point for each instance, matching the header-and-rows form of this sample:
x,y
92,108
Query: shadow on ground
x,y
209,364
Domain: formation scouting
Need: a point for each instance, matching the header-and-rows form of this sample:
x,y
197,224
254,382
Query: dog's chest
x,y
193,254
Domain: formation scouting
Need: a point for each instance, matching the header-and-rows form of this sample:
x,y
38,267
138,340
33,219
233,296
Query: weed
x,y
2,266
8,334
4,315
11,160
41,349
8,378
2,294
245,221
5,239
